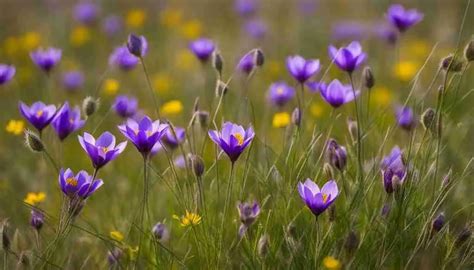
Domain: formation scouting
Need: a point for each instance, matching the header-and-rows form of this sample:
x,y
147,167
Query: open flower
x,y
172,139
73,80
46,59
34,198
125,106
318,200
280,93
102,150
348,58
232,139
144,134
6,73
401,18
86,12
302,69
202,48
67,120
80,185
39,114
189,219
405,117
336,93
393,170
123,59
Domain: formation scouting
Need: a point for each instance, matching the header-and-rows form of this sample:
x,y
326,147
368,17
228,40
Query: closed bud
x,y
332,213
113,256
368,78
352,242
161,232
33,141
336,155
438,222
217,62
469,51
221,88
259,57
296,117
451,64
263,246
386,210
446,179
352,127
5,236
197,164
90,106
428,119
37,219
137,45
202,118
463,236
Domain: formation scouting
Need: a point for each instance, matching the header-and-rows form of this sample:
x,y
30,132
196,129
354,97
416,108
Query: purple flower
x,y
39,114
125,106
247,63
438,222
37,219
280,93
78,185
336,155
248,212
246,8
6,73
73,80
232,139
161,232
393,169
112,25
46,59
67,120
403,19
172,140
137,45
123,59
86,12
315,199
103,150
386,33
143,134
349,30
348,58
202,48
405,117
336,93
302,69
256,28
313,86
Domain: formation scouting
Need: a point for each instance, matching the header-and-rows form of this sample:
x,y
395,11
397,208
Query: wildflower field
x,y
236,134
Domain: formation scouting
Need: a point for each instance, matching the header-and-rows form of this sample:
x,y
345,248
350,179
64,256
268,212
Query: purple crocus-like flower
x,y
143,134
403,19
73,80
39,114
247,63
46,59
280,93
248,212
302,69
125,106
336,154
161,232
137,45
348,58
80,185
67,120
6,73
232,139
318,200
112,25
37,219
102,150
246,8
393,169
123,59
172,140
202,48
256,28
337,94
405,117
86,12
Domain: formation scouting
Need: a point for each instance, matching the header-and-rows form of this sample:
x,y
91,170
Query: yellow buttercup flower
x,y
331,263
111,86
31,40
188,219
116,235
381,96
162,82
171,17
185,60
135,18
191,29
316,110
79,36
15,127
33,198
405,70
281,119
172,107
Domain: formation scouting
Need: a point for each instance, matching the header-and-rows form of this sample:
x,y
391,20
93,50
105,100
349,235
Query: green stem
x,y
360,172
226,206
150,87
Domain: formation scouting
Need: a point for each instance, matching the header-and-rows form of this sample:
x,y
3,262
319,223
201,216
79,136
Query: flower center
x,y
239,137
149,133
71,120
71,181
105,149
39,113
325,198
280,90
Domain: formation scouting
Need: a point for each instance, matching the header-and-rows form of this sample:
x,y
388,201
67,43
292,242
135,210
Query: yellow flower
x,y
281,119
405,70
162,82
79,36
135,18
172,107
11,46
31,40
188,219
331,263
171,17
316,110
15,127
191,29
132,252
33,198
381,96
116,235
185,60
111,86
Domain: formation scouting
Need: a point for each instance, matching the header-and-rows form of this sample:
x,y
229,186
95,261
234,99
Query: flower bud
x,y
259,57
386,210
263,246
332,213
37,219
5,236
202,118
336,155
197,164
137,45
352,242
113,256
446,179
368,78
469,51
438,222
428,119
33,141
90,106
221,88
161,232
451,64
296,117
464,235
217,62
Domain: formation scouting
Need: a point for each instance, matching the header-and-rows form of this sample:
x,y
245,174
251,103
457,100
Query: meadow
x,y
238,134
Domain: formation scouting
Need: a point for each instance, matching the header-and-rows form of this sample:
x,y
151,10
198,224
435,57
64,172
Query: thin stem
x,y
144,209
360,172
150,87
226,206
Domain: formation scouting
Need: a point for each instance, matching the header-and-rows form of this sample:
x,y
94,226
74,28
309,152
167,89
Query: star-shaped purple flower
x,y
67,120
73,80
280,93
401,18
393,168
125,106
336,93
302,69
405,117
78,185
123,59
102,150
39,114
202,48
46,59
348,58
318,200
232,139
